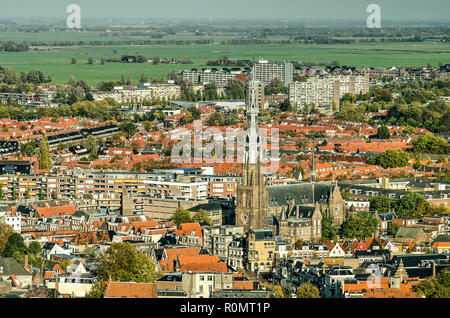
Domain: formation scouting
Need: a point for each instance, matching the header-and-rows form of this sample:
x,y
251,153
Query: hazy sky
x,y
251,9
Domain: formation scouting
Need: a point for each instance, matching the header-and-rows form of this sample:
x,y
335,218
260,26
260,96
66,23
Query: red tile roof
x,y
56,210
130,290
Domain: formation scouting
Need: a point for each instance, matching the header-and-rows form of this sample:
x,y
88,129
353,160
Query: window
x,y
210,278
202,277
200,288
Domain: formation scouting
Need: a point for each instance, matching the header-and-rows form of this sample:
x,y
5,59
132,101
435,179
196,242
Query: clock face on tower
x,y
244,218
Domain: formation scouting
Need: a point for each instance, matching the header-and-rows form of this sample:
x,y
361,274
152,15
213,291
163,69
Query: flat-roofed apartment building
x,y
221,186
145,91
96,188
265,71
156,206
323,91
206,76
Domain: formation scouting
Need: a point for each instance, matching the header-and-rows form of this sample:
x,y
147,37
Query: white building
x,y
265,71
12,219
323,91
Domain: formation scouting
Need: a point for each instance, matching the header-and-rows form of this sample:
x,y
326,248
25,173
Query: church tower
x,y
252,193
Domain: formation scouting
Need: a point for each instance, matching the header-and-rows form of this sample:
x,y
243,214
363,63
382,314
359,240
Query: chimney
x,y
434,268
26,260
57,282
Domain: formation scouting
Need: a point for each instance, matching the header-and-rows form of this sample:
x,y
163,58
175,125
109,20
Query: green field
x,y
56,60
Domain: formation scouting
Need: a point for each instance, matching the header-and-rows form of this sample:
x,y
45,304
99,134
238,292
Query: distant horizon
x,y
319,10
309,22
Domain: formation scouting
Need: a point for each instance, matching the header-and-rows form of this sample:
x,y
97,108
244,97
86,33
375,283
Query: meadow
x,y
56,61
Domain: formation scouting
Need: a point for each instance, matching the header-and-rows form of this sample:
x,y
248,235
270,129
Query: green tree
x,y
181,216
188,118
410,203
14,195
278,291
361,226
121,261
6,231
328,230
202,216
408,130
350,97
44,154
431,144
210,91
147,125
308,290
392,159
41,194
143,78
383,132
436,287
90,143
382,204
97,290
128,128
393,228
14,244
34,248
235,89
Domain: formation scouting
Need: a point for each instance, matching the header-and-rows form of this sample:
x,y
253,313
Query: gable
x,y
361,246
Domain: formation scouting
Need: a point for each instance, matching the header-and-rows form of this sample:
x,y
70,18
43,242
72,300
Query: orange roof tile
x,y
56,210
219,267
130,290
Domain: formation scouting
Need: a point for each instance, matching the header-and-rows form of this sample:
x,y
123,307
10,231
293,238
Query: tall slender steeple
x,y
253,152
252,194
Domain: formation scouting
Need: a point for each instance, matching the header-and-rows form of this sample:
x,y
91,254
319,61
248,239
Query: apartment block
x,y
202,284
265,71
206,76
323,91
217,239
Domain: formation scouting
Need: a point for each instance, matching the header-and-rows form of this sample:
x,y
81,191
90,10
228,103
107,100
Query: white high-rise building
x,y
265,71
323,91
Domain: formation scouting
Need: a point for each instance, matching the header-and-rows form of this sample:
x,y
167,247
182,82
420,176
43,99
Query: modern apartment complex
x,y
265,71
323,91
206,76
145,91
96,188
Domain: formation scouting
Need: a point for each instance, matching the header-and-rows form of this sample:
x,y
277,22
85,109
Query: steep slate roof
x,y
442,239
306,211
302,193
263,234
414,260
213,206
408,232
12,267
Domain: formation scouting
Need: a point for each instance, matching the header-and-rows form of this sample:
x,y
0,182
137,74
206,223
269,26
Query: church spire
x,y
253,147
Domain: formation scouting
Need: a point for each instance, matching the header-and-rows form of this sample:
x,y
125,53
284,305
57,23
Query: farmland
x,y
56,60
